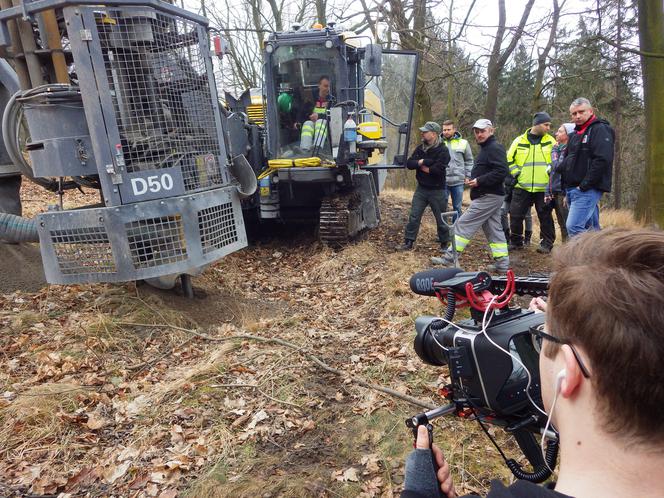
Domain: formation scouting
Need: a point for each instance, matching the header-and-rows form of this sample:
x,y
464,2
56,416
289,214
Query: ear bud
x,y
559,379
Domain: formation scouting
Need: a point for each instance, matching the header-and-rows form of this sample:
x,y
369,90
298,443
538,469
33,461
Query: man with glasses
x,y
601,373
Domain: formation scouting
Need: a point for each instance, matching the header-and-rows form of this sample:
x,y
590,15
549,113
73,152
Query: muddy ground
x,y
251,389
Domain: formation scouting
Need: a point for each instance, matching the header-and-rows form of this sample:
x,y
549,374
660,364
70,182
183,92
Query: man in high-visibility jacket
x,y
315,128
528,159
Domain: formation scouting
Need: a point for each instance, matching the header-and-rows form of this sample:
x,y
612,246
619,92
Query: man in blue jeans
x,y
588,167
461,163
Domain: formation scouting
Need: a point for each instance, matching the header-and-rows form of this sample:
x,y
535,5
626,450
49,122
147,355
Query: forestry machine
x,y
119,96
332,168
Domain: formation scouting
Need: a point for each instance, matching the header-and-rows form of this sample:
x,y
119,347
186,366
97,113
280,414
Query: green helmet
x,y
285,102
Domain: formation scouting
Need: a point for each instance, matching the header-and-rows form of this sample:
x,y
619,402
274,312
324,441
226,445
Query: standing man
x,y
588,167
529,158
486,194
461,164
555,195
430,159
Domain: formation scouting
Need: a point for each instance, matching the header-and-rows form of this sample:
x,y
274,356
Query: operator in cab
x,y
315,127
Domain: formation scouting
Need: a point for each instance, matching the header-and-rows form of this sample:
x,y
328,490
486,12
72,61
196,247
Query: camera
x,y
493,357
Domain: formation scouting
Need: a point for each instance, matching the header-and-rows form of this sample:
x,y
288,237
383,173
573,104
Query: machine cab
x,y
314,76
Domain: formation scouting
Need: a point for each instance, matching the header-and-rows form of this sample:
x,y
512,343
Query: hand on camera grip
x,y
443,473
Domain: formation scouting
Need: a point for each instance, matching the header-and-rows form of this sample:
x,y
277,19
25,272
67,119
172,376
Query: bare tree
x,y
500,56
543,57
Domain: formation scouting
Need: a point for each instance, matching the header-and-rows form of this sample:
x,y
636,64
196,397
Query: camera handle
x,y
425,419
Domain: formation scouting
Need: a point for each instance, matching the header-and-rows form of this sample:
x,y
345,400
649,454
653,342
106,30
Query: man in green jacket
x,y
528,159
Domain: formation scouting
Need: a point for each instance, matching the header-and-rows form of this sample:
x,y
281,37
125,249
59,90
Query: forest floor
x,y
257,387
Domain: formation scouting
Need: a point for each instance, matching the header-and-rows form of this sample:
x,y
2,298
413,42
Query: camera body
x,y
493,359
482,375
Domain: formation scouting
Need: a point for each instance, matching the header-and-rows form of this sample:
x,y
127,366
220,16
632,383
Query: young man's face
x,y
580,113
482,135
541,129
448,131
324,86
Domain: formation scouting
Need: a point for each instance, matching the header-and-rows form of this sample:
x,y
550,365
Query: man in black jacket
x,y
430,159
587,169
486,194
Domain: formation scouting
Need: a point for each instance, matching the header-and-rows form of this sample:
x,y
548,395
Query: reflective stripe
x,y
534,185
460,242
499,249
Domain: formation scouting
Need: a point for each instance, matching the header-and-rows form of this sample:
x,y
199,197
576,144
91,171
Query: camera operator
x,y
601,373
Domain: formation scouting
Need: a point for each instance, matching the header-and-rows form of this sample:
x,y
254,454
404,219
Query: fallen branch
x,y
282,342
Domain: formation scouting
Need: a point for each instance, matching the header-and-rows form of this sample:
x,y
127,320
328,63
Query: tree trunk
x,y
650,206
617,162
543,58
321,7
499,58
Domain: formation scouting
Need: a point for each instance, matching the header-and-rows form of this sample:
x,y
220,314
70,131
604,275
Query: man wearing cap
x,y
555,195
588,168
529,158
430,160
486,194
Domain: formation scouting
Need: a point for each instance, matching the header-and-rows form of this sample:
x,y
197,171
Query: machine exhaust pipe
x,y
244,174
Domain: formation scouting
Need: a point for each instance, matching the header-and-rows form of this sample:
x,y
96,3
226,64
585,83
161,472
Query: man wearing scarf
x,y
588,167
430,160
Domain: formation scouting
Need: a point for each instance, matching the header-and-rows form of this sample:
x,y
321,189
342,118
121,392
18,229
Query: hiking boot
x,y
500,265
446,260
406,246
515,247
542,249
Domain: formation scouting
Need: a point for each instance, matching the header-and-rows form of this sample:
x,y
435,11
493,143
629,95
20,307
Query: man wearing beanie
x,y
529,158
430,160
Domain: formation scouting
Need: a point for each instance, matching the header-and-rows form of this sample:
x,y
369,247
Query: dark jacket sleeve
x,y
418,154
438,164
601,157
497,160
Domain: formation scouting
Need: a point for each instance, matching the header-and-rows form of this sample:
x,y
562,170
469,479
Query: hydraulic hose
x,y
17,229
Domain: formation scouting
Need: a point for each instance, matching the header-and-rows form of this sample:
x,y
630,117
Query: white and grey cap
x,y
481,124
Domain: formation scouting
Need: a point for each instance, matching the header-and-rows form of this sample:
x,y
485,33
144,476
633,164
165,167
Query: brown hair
x,y
448,122
607,296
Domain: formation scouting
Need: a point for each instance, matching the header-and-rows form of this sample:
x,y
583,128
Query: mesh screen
x,y
161,94
216,225
156,241
81,251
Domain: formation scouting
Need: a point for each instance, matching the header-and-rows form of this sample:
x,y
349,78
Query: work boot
x,y
406,246
500,265
526,239
447,259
